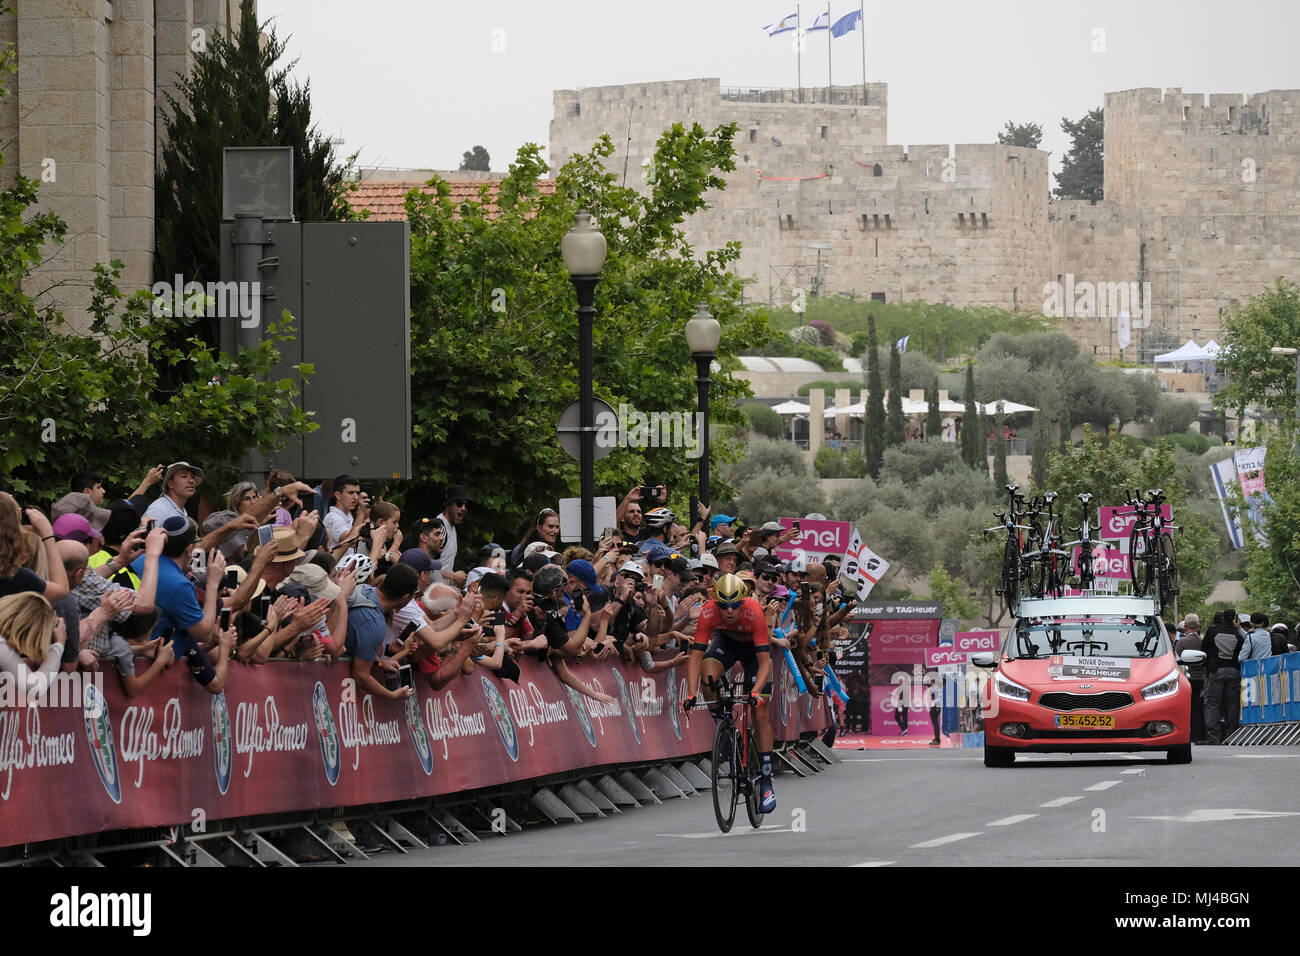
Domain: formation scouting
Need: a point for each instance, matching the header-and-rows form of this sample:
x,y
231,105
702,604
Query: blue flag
x,y
784,25
846,23
822,22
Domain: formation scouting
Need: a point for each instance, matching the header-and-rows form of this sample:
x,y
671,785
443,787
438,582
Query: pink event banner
x,y
941,656
817,538
883,720
1117,522
902,642
975,642
1106,563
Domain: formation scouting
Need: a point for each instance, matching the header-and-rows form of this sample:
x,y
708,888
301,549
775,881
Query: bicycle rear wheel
x,y
1168,569
1011,572
753,798
725,776
1139,562
1087,576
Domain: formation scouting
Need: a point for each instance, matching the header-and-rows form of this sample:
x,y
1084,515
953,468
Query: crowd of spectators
x,y
287,570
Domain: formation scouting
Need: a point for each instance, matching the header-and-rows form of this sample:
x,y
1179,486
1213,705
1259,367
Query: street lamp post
x,y
583,249
702,335
1295,432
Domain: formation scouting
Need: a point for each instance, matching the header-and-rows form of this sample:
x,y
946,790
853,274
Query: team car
x,y
1086,675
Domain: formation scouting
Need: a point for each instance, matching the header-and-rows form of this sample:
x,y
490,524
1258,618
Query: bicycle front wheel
x,y
725,776
1086,574
1168,569
753,799
1011,573
1139,562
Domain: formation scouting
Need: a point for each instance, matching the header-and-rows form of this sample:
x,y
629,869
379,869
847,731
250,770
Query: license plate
x,y
1085,721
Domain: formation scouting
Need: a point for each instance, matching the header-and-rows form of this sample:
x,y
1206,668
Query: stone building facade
x,y
82,118
1201,207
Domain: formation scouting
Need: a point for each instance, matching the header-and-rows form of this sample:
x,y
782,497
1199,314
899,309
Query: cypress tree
x,y
999,450
971,452
933,418
1038,463
873,441
895,427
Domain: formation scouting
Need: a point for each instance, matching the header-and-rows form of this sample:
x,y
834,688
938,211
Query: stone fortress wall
x,y
1202,202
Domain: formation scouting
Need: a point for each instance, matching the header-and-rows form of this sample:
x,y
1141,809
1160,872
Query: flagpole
x,y
829,82
798,50
863,27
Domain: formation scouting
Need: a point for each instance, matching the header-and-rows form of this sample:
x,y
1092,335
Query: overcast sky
x,y
415,83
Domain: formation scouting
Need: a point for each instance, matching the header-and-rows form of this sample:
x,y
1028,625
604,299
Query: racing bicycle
x,y
1151,548
736,768
1086,569
1047,564
1013,569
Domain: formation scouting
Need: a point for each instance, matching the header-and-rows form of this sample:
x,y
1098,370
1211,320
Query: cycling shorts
x,y
728,651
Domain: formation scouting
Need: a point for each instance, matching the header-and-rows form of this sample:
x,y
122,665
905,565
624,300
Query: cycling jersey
x,y
750,626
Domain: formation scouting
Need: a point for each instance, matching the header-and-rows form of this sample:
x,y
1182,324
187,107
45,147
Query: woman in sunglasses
x,y
732,627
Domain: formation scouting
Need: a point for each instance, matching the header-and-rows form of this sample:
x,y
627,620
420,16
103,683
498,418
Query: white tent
x,y
791,408
853,411
1212,349
1009,408
1188,352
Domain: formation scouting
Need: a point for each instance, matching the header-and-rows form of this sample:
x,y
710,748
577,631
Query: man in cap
x,y
728,557
721,525
455,505
180,482
1190,640
77,503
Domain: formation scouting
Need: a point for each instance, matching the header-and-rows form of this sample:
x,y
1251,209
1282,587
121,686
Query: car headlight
x,y
1005,687
1163,687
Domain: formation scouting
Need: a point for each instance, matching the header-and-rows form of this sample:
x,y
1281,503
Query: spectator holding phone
x,y
345,512
187,625
14,577
367,628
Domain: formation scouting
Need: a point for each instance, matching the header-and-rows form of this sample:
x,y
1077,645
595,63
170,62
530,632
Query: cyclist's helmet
x,y
729,589
360,561
659,518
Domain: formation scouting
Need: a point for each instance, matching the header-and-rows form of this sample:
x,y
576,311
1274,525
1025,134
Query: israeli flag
x,y
823,22
902,344
846,23
784,25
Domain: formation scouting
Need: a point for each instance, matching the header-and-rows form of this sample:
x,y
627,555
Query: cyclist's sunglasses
x,y
730,605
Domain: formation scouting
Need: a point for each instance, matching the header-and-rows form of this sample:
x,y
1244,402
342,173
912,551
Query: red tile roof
x,y
386,200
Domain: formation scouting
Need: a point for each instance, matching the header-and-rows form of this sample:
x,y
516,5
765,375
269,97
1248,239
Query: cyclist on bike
x,y
733,627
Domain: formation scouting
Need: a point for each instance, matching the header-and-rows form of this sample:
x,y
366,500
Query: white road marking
x,y
940,841
1059,802
1007,821
1140,771
1266,756
1104,785
888,759
1215,815
875,863
738,831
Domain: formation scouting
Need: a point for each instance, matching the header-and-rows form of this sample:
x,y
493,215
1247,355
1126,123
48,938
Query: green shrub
x,y
830,463
763,421
1190,441
1174,415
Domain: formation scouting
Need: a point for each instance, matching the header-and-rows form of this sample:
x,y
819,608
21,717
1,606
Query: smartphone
x,y
149,524
225,618
795,524
404,678
231,579
265,534
658,581
263,606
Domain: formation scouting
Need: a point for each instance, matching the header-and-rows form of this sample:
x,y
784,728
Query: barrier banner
x,y
1251,690
1290,686
290,737
1271,701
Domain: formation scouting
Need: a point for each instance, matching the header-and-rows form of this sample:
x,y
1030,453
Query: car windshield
x,y
1098,635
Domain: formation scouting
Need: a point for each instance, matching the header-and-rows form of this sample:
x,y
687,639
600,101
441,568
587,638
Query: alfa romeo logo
x,y
99,734
221,741
418,736
670,692
627,704
501,714
326,732
584,718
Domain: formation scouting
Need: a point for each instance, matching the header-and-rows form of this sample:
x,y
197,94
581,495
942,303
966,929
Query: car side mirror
x,y
1191,657
986,659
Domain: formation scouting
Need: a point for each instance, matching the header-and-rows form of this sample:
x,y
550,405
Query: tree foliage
x,y
476,159
933,418
874,424
1082,174
494,335
763,420
1255,376
895,424
238,93
999,450
972,438
1021,134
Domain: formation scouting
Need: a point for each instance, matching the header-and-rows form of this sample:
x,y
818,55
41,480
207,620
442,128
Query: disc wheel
x,y
724,776
754,799
1139,562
